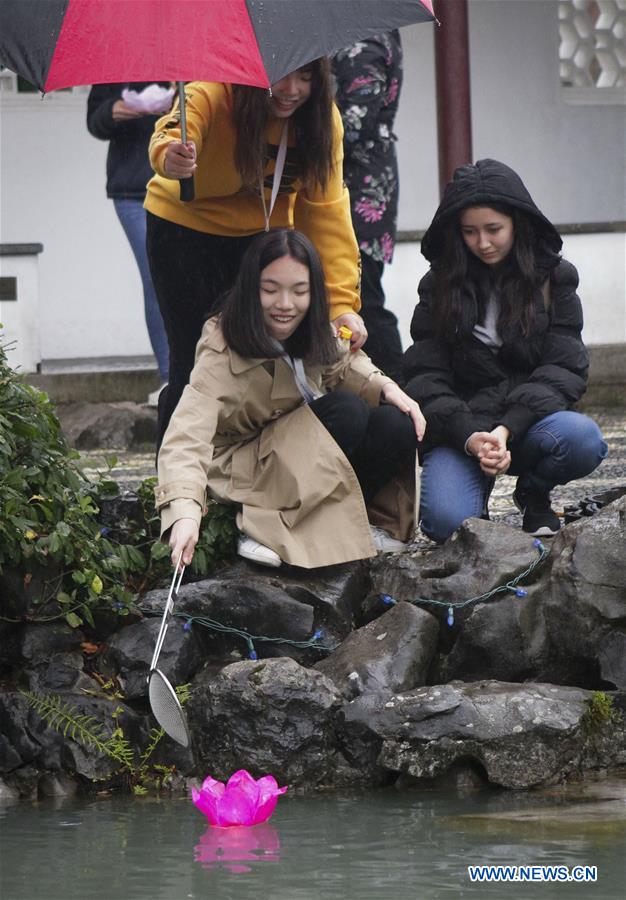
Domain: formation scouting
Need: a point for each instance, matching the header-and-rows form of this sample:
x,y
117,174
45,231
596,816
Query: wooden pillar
x,y
454,121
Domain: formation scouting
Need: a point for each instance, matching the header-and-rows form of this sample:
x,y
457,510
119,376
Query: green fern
x,y
182,692
86,730
83,729
118,746
67,720
155,737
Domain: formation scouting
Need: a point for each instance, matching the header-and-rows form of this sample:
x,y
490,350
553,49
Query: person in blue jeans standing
x,y
497,362
128,171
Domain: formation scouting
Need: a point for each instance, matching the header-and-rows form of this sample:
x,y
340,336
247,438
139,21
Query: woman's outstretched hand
x,y
180,159
356,325
396,397
183,539
489,448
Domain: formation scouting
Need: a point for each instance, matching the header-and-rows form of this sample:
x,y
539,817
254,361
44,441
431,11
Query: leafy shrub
x,y
49,517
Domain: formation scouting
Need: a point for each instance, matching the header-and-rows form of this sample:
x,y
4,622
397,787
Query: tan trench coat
x,y
242,431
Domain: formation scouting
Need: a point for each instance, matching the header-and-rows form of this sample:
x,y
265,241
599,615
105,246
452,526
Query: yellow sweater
x,y
221,206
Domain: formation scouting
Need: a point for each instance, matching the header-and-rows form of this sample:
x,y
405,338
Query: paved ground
x,y
133,467
610,474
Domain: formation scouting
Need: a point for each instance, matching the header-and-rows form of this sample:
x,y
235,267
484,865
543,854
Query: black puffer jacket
x,y
128,166
461,385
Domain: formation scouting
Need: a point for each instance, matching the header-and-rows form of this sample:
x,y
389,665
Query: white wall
x,y
52,175
52,191
20,317
416,128
572,158
601,264
599,258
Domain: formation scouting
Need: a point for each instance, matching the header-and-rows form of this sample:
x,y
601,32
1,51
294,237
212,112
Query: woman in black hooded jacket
x,y
497,361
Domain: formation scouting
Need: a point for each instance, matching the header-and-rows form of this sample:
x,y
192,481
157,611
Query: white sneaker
x,y
258,553
153,397
384,543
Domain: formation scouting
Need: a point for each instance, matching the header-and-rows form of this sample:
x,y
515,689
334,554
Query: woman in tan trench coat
x,y
283,421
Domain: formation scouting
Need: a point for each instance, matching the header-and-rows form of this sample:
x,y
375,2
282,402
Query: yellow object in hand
x,y
344,333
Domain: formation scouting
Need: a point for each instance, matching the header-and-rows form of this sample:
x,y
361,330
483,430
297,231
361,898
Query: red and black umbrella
x,y
61,43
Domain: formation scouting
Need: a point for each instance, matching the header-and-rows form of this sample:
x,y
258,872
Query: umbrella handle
x,y
187,191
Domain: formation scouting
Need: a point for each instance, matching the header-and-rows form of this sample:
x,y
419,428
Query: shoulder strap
x,y
278,174
297,367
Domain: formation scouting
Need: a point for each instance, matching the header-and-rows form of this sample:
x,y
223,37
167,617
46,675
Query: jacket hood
x,y
484,184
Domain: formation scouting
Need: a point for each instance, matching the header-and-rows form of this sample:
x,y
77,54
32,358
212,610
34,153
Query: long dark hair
x,y
313,123
242,315
461,277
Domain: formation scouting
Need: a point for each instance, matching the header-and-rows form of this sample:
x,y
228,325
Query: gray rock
x,y
586,607
130,652
612,659
59,672
57,784
8,793
52,659
88,761
21,592
393,653
480,556
90,426
10,645
39,642
274,715
20,734
505,639
521,735
29,748
270,716
334,592
25,782
248,603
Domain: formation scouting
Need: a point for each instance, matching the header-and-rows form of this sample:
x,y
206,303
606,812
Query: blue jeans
x,y
132,216
558,449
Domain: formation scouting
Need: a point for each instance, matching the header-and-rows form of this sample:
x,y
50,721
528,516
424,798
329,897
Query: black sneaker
x,y
540,519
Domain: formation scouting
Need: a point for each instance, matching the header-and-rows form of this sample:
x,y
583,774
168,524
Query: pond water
x,y
370,845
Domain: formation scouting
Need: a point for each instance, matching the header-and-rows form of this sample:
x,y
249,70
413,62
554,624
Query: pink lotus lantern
x,y
241,801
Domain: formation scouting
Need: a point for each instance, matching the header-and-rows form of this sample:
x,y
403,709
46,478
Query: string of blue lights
x,y
315,641
510,586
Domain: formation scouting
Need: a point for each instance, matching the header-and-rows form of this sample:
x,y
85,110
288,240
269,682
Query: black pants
x,y
191,271
378,441
383,345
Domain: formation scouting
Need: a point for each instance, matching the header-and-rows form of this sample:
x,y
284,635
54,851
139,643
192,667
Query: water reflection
x,y
355,845
230,848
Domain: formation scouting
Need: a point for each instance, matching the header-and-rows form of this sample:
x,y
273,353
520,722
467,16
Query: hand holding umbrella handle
x,y
187,190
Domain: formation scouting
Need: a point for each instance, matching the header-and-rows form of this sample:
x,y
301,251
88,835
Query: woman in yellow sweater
x,y
258,160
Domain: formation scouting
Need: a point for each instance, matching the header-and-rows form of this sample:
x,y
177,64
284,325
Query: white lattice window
x,y
592,51
14,88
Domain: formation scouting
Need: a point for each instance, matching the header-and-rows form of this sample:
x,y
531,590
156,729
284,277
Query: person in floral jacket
x,y
368,79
